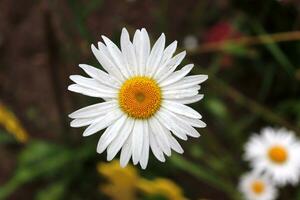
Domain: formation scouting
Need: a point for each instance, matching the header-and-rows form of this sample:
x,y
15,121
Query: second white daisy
x,y
256,187
144,98
276,153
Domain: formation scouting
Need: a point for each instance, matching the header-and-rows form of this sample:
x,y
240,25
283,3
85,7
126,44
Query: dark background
x,y
253,82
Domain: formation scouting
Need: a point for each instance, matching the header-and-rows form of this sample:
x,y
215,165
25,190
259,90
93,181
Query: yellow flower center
x,y
140,97
278,154
258,187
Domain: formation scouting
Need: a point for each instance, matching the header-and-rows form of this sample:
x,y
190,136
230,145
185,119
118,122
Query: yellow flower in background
x,y
163,187
122,181
125,183
10,122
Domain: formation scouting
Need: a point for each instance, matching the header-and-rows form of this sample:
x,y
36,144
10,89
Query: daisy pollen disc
x,y
258,186
140,97
278,154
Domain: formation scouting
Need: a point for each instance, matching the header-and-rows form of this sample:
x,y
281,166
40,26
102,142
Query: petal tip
x,y
71,115
93,47
70,88
123,165
143,166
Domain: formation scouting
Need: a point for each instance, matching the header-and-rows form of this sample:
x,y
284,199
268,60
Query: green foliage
x,y
55,191
235,49
205,175
36,160
41,159
5,137
276,52
155,197
217,108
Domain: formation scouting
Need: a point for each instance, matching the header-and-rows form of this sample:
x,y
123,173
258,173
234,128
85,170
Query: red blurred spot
x,y
220,32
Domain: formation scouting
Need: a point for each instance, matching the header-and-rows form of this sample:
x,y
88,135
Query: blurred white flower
x,y
190,42
256,187
144,98
275,152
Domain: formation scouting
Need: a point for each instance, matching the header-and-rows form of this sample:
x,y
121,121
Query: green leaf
x,y
217,107
235,49
6,137
37,159
205,175
275,50
55,191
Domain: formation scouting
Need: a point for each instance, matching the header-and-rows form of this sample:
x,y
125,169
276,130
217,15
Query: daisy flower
x,y
144,98
276,153
257,187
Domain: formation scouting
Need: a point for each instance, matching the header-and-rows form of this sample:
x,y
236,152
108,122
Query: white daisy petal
x,y
127,47
94,110
102,57
166,59
92,84
182,125
145,152
174,144
181,109
190,131
126,151
160,135
82,122
110,134
192,91
100,76
90,92
145,49
187,82
171,125
189,100
142,48
192,121
119,141
169,67
136,40
137,140
157,152
180,94
155,55
103,122
176,76
168,52
116,56
129,53
138,45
